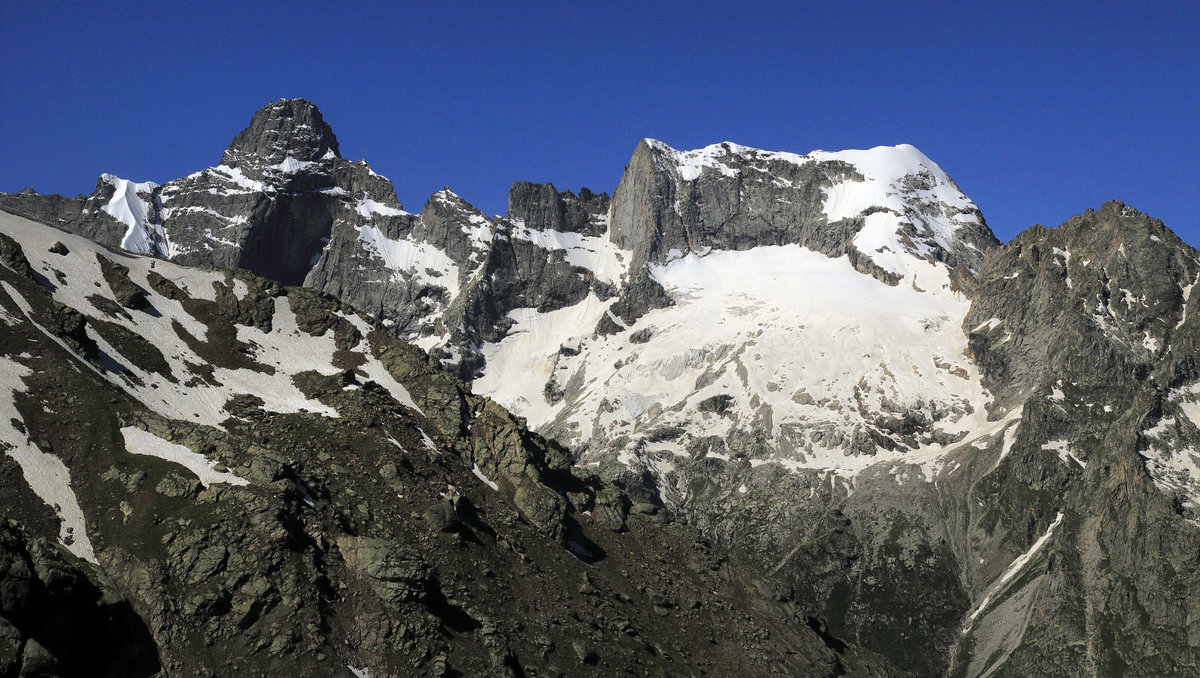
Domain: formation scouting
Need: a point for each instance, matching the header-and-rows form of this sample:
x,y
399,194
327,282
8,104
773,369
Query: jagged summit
x,y
1114,222
283,132
890,203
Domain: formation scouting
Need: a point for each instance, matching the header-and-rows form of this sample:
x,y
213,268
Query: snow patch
x,y
142,442
291,165
429,444
690,164
1010,437
597,254
1063,449
46,474
1017,565
1187,293
409,258
237,178
368,208
486,481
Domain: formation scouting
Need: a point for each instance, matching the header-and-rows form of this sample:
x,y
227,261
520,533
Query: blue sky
x,y
1038,110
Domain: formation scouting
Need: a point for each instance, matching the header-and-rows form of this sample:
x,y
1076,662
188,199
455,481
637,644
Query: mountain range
x,y
754,412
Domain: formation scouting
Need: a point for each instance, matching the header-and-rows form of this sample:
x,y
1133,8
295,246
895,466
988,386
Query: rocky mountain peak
x,y
286,131
453,225
1121,224
447,199
885,207
1112,278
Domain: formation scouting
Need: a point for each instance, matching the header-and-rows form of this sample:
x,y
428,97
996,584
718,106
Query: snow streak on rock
x,y
46,474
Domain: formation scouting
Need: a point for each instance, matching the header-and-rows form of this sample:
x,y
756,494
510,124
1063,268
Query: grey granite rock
x,y
728,197
541,207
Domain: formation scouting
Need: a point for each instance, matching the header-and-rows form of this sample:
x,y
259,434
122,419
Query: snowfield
x,y
799,340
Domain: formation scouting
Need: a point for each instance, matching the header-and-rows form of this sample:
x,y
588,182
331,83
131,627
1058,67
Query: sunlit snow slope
x,y
774,352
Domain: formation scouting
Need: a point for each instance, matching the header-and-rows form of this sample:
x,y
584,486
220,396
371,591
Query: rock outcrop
x,y
61,617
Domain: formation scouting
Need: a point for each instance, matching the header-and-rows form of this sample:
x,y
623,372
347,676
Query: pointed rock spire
x,y
287,128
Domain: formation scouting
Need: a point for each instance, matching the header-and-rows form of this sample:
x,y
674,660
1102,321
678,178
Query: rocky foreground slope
x,y
944,454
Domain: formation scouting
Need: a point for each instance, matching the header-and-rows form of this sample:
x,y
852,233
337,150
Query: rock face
x,y
290,131
272,202
268,207
1107,292
58,617
1091,326
933,454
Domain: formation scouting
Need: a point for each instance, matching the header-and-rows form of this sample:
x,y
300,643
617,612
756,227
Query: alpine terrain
x,y
755,413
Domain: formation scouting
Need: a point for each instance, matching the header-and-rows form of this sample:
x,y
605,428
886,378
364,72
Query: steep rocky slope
x,y
1092,325
249,478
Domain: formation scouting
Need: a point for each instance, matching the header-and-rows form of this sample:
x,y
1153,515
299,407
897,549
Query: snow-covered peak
x,y
910,208
892,177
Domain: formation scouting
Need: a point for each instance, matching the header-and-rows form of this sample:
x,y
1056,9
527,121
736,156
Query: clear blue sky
x,y
1038,110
